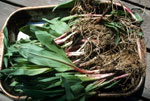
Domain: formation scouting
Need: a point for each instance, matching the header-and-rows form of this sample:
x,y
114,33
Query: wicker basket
x,y
24,15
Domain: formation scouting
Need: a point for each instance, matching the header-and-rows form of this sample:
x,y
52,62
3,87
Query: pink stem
x,y
85,71
100,76
60,41
119,77
60,37
73,48
129,11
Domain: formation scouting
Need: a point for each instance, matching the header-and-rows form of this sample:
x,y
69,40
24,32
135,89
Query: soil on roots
x,y
97,42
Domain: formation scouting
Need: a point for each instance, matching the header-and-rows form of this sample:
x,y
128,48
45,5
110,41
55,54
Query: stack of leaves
x,y
74,57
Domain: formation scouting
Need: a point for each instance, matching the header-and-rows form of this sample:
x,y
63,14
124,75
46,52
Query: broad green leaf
x,y
31,29
11,50
46,39
5,38
21,60
22,71
5,59
68,91
70,78
66,4
56,84
42,57
48,79
95,85
59,26
14,83
77,88
85,78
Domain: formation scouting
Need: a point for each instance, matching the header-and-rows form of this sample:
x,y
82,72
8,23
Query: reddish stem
x,y
60,37
100,76
72,48
119,77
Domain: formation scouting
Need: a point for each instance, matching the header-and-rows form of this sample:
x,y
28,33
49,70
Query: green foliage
x,y
138,17
40,69
5,38
60,27
68,3
118,12
42,57
6,44
114,26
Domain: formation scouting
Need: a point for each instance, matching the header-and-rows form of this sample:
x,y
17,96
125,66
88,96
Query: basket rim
x,y
52,6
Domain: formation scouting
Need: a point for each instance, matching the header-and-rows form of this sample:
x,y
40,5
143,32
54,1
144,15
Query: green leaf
x,y
50,79
68,91
69,17
85,78
56,84
140,20
94,85
42,57
77,88
46,39
70,78
12,49
29,71
118,12
140,33
31,29
68,3
5,59
114,26
59,26
21,60
5,38
14,83
113,84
